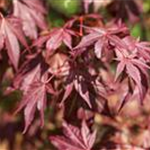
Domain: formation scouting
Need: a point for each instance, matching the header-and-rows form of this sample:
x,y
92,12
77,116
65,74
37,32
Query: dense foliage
x,y
89,73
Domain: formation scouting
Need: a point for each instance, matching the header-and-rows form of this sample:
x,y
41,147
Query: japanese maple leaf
x,y
30,71
80,80
10,33
31,13
55,38
141,48
136,69
101,38
34,98
23,81
75,138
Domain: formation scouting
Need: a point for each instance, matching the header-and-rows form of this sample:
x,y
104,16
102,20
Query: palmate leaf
x,y
32,80
141,48
10,33
81,81
133,56
30,71
23,81
75,138
137,71
35,97
31,13
82,88
101,38
54,39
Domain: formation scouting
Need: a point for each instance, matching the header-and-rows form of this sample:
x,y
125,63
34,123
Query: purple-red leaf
x,y
82,89
31,12
102,38
137,71
81,82
68,90
10,33
54,39
99,47
34,98
74,138
57,37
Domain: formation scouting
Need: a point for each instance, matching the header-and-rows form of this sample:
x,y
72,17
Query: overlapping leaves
x,y
31,13
75,138
35,97
10,35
